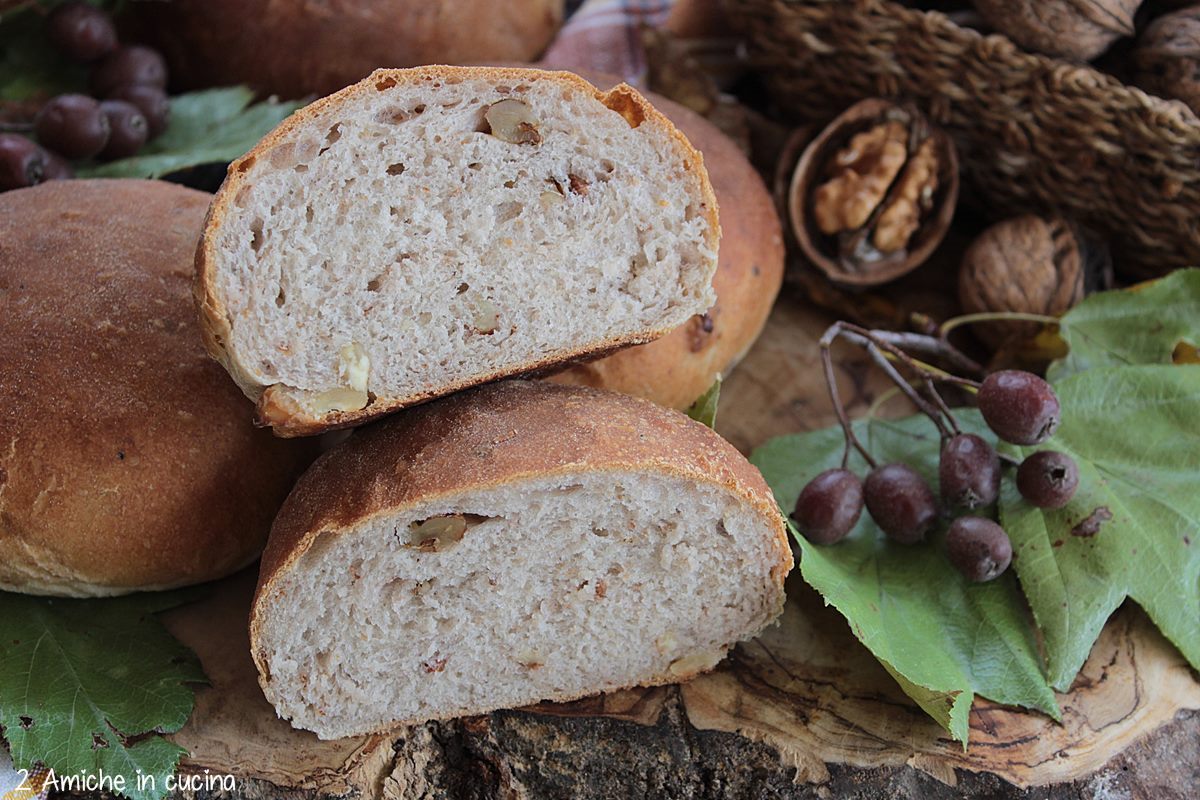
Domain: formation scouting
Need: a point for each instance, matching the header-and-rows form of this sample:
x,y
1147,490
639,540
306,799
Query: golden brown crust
x,y
494,436
299,47
126,459
288,418
677,368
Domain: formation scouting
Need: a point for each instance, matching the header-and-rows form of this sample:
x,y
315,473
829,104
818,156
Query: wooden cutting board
x,y
806,710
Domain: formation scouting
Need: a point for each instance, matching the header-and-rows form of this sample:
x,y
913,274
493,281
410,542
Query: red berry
x,y
968,472
1019,406
151,100
81,31
72,125
22,162
1048,479
829,506
130,65
57,168
129,129
900,502
978,548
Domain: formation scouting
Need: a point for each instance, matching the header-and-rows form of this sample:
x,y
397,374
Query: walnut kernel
x,y
862,172
512,121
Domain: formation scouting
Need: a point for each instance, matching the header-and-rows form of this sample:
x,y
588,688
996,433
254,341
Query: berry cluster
x,y
130,82
1019,407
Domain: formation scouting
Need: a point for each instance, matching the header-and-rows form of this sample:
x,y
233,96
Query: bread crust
x,y
126,460
298,48
276,408
679,367
496,436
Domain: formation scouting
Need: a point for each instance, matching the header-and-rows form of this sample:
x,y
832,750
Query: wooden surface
x,y
803,711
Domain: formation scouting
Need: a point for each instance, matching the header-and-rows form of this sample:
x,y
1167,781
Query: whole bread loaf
x,y
293,49
431,229
127,459
519,542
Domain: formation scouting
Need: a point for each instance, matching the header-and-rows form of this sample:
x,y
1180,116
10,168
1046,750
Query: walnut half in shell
x,y
873,195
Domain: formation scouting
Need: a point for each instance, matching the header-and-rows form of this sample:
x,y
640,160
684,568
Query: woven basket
x,y
1034,133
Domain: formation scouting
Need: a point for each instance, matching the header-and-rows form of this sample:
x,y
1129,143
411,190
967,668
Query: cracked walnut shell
x,y
872,196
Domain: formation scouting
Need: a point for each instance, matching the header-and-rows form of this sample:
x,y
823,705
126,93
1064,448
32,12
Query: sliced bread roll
x,y
430,229
467,556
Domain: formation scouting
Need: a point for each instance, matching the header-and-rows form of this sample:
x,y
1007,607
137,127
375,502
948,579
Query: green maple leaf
x,y
211,126
88,685
943,638
1149,324
1133,527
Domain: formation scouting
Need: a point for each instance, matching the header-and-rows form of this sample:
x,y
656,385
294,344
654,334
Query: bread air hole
x,y
256,233
317,547
335,133
395,169
398,115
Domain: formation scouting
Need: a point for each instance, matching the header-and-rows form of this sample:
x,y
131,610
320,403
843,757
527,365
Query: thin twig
x,y
831,382
941,403
931,345
904,386
925,371
994,316
880,401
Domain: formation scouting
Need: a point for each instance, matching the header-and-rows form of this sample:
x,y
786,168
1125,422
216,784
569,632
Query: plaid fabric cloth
x,y
17,785
605,35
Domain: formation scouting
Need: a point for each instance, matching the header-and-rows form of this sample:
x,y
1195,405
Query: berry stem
x,y
903,385
994,316
880,401
932,346
940,402
835,398
876,346
946,377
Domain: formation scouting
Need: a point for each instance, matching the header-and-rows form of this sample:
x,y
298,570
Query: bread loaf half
x,y
466,556
430,229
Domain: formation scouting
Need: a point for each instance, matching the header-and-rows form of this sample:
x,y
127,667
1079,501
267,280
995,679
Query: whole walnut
x,y
1167,58
1028,264
1080,29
